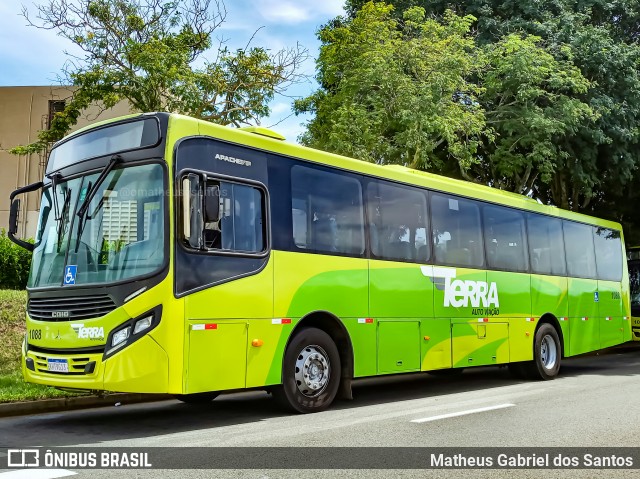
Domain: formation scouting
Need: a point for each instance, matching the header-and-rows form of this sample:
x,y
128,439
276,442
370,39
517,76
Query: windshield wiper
x,y
55,179
63,216
92,189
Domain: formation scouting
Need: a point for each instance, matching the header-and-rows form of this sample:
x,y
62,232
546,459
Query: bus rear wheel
x,y
310,372
546,354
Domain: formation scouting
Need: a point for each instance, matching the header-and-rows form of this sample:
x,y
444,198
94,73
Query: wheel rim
x,y
313,371
548,352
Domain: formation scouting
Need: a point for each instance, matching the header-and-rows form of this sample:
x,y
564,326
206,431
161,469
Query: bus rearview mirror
x,y
13,217
192,214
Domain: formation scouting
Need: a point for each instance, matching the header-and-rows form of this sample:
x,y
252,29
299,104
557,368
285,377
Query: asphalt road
x,y
595,402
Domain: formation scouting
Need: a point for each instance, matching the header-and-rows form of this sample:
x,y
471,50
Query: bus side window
x,y
545,244
504,235
457,231
398,219
327,211
578,245
608,254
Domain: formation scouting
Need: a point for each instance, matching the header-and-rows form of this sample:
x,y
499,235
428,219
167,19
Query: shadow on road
x,y
152,419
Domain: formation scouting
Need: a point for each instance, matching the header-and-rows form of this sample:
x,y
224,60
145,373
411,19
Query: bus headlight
x,y
132,330
120,336
142,324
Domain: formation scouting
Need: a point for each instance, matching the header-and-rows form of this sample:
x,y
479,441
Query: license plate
x,y
58,365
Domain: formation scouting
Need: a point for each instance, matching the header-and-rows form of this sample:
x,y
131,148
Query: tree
x,y
420,92
598,157
531,101
396,91
147,51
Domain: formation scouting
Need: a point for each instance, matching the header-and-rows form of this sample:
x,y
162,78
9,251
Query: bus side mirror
x,y
13,217
14,211
213,208
192,206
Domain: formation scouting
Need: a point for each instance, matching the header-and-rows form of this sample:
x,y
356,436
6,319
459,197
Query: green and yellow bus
x,y
177,256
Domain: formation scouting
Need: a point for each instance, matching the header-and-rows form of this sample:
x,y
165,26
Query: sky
x,y
31,56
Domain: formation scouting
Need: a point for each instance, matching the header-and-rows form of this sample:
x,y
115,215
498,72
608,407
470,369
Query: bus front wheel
x,y
546,354
310,372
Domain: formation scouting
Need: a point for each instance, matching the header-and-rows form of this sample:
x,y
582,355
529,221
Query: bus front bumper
x,y
141,367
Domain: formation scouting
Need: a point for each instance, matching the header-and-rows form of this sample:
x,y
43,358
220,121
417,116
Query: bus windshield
x,y
121,235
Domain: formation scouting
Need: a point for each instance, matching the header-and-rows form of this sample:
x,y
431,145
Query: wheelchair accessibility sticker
x,y
70,275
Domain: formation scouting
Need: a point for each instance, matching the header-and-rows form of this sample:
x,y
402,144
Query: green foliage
x,y
15,262
396,91
560,92
13,316
147,52
531,101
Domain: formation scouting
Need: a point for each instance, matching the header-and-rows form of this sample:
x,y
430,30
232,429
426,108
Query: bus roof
x,y
273,142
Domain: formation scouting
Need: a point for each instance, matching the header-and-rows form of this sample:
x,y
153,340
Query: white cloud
x,y
288,11
280,108
30,56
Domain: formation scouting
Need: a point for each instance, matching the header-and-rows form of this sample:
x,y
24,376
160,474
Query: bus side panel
x,y
514,293
399,290
583,316
436,344
549,295
610,313
401,301
217,331
479,343
478,336
306,283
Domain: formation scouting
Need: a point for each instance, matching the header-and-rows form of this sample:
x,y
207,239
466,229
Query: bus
x,y
177,256
633,261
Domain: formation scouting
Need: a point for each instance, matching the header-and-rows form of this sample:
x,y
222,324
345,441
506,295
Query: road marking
x,y
37,474
463,413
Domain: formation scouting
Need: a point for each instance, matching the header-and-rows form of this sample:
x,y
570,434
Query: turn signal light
x,y
256,343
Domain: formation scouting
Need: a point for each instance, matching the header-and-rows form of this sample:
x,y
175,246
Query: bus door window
x,y
240,225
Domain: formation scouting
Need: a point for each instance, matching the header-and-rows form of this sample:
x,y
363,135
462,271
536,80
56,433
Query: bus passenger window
x,y
608,254
398,222
327,212
457,235
504,234
578,245
545,244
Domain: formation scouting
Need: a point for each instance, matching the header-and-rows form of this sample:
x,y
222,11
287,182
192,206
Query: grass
x,y
12,330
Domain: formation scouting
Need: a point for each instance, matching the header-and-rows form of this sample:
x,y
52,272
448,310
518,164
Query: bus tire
x,y
197,398
546,354
310,372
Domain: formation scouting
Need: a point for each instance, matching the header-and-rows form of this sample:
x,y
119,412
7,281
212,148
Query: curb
x,y
71,403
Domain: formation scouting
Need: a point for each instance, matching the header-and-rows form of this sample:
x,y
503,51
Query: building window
x,y
55,106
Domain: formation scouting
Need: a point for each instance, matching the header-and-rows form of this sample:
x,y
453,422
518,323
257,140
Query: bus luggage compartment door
x,y
477,344
398,346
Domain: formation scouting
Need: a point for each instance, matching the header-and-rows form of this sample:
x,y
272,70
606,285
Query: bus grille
x,y
70,309
76,365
